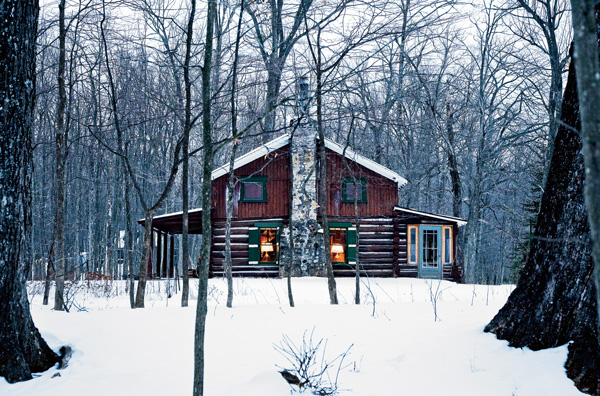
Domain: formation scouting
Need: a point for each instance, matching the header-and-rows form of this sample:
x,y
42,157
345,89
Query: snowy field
x,y
397,346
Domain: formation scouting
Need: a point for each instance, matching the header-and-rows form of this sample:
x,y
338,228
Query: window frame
x,y
410,241
254,243
351,238
253,179
447,247
346,182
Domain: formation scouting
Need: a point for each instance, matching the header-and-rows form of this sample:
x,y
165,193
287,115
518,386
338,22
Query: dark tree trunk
x,y
204,259
322,161
554,301
231,181
60,181
185,193
453,165
586,21
22,348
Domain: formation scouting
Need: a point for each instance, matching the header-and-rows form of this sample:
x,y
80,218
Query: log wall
x,y
376,249
239,249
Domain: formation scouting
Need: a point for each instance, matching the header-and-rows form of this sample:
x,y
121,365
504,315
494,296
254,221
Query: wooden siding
x,y
382,193
276,166
239,249
382,249
404,269
375,248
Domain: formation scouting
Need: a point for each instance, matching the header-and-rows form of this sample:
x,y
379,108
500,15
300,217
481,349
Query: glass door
x,y
431,252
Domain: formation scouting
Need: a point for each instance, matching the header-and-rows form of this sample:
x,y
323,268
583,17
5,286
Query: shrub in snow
x,y
307,368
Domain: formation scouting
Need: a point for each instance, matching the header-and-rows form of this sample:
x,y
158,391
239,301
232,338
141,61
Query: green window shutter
x,y
351,245
253,241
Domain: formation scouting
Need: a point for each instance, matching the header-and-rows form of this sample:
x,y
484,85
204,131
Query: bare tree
x,y
586,17
148,210
540,24
204,258
61,157
275,45
23,349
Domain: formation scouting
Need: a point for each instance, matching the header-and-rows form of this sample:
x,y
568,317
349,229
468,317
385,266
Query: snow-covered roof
x,y
459,222
281,141
175,214
364,161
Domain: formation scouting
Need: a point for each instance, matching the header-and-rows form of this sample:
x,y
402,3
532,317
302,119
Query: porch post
x,y
149,267
396,246
165,252
172,257
158,253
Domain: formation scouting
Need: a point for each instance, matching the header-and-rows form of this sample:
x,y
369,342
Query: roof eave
x,y
459,222
366,162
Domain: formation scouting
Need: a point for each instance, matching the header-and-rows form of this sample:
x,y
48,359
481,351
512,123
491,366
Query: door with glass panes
x,y
430,265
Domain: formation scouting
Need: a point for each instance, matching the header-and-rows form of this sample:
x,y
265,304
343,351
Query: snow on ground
x,y
398,347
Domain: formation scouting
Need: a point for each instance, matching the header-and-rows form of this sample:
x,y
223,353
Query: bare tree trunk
x,y
289,263
146,255
23,350
49,272
322,155
149,211
204,259
586,19
59,188
186,159
554,302
454,179
453,165
231,182
229,212
128,256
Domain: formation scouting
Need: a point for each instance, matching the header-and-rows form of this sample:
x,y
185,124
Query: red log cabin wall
x,y
382,193
382,233
377,253
276,166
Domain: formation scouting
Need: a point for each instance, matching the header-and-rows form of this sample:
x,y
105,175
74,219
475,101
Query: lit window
x,y
253,189
354,189
268,245
338,244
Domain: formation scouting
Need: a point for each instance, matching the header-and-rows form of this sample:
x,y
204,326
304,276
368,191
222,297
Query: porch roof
x,y
459,222
172,223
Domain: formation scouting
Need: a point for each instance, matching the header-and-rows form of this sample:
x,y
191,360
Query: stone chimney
x,y
307,235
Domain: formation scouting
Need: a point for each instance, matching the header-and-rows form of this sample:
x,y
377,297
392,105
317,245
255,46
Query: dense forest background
x,y
461,98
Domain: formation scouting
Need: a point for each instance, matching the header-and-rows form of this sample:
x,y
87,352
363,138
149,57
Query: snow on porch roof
x,y
172,223
459,222
330,144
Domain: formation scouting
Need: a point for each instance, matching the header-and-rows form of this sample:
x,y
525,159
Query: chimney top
x,y
302,92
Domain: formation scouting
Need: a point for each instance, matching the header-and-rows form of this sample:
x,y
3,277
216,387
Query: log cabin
x,y
276,223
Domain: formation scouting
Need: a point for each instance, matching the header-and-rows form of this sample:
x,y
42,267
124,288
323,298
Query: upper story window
x,y
253,189
354,189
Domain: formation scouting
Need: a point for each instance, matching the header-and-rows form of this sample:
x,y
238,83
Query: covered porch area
x,y
161,263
